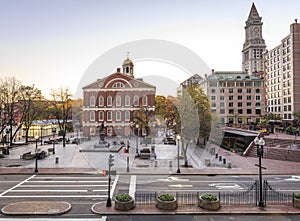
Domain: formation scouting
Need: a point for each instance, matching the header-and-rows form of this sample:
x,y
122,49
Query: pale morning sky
x,y
51,43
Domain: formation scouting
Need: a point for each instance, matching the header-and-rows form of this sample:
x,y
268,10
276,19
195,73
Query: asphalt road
x,y
82,191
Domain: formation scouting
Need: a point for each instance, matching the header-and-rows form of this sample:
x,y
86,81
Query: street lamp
x,y
127,169
178,139
53,132
137,142
41,135
259,148
36,137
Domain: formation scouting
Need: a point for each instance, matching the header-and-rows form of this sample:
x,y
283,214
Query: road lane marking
x,y
68,181
66,177
49,186
172,179
56,196
114,186
226,186
180,185
36,190
19,184
132,185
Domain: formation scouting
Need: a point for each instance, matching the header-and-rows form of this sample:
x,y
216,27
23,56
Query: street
x,y
82,191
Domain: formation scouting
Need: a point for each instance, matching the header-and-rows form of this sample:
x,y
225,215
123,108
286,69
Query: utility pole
x,y
110,164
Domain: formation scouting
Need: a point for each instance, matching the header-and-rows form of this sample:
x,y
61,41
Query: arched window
x,y
145,101
127,101
118,116
101,101
136,100
92,115
118,85
92,101
109,101
127,115
109,115
118,101
101,115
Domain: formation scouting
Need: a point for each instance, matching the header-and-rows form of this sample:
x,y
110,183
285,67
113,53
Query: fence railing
x,y
247,197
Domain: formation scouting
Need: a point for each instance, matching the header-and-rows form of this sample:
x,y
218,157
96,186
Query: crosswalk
x,y
62,187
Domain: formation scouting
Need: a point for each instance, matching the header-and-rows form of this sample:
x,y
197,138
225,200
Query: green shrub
x,y
166,197
209,197
123,197
297,196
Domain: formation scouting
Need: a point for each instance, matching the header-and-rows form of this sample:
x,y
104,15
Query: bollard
x,y
229,164
220,158
217,155
56,159
155,163
170,163
224,160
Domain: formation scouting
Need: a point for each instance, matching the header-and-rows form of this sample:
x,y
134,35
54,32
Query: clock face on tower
x,y
256,31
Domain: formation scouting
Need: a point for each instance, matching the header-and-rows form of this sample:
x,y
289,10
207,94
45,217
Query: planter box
x,y
124,206
166,205
209,205
296,203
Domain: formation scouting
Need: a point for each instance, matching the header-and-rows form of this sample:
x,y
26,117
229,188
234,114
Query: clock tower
x,y
254,45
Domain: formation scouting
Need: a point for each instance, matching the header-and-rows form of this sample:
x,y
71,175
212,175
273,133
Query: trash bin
x,y
155,163
56,159
153,149
170,163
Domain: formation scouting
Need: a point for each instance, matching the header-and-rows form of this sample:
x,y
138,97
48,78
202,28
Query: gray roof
x,y
231,75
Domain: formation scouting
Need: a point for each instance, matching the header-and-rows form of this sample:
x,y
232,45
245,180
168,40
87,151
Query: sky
x,y
52,43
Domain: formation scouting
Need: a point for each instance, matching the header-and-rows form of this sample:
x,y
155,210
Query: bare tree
x,y
62,104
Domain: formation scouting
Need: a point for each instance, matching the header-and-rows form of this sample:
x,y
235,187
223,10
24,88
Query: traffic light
x,y
111,160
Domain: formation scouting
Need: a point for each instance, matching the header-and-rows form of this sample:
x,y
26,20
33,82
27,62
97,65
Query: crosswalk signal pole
x,y
110,164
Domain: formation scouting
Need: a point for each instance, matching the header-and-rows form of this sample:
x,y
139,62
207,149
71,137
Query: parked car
x,y
50,141
169,140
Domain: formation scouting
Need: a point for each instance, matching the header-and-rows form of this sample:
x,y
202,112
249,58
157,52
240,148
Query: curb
x,y
36,208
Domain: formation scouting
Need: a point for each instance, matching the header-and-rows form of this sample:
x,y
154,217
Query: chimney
x,y
118,70
212,71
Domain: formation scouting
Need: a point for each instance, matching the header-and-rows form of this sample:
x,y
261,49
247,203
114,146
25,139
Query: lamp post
x,y
53,132
41,135
259,148
36,137
127,168
178,139
137,142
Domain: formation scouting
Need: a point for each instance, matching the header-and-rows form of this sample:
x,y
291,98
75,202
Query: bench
x,y
24,154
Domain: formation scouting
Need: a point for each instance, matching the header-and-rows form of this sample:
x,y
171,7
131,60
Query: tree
x,y
9,95
32,106
62,107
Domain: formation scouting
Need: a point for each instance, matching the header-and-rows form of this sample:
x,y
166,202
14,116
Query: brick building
x,y
114,100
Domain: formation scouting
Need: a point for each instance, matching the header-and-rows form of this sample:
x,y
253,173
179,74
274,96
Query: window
x,y
136,100
101,101
127,115
222,91
92,115
109,115
231,111
257,105
240,90
249,90
248,97
231,98
230,104
213,98
240,97
230,90
145,100
222,98
240,111
118,101
249,111
118,115
222,111
92,101
222,104
109,101
258,111
213,91
240,104
127,101
257,91
213,105
257,97
118,85
101,115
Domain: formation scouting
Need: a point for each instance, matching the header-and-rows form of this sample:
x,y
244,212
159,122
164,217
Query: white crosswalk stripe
x,y
81,186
